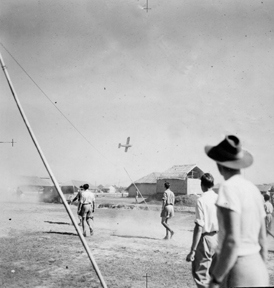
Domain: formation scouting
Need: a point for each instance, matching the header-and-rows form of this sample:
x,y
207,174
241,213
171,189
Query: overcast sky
x,y
174,79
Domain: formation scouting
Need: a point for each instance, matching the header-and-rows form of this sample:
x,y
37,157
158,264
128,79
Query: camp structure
x,y
69,190
264,188
32,184
108,189
183,179
78,183
146,185
50,193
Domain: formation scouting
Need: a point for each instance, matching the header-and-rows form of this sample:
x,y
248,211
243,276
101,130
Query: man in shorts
x,y
86,209
78,197
167,210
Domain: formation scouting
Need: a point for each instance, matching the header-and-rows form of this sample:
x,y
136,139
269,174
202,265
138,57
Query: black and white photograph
x,y
136,143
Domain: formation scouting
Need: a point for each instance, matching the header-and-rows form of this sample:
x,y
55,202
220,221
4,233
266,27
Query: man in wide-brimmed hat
x,y
242,236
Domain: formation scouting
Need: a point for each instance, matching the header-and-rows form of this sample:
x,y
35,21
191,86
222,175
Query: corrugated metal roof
x,y
177,172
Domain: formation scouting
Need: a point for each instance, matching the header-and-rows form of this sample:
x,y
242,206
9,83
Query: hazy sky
x,y
174,79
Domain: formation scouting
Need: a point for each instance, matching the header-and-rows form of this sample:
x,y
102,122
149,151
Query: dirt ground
x,y
40,247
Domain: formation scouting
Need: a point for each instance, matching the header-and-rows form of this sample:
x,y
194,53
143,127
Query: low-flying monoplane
x,y
125,145
12,142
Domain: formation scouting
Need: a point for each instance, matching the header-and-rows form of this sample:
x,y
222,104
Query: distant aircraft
x,y
12,142
126,145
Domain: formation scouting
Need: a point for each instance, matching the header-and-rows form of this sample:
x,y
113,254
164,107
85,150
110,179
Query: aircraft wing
x,y
128,139
126,149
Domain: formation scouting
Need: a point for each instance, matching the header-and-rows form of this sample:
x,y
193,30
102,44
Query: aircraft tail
x,y
119,145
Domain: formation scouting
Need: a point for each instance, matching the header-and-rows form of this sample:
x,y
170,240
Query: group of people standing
x,y
86,208
229,239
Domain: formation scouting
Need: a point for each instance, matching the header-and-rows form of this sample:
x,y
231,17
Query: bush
x,y
186,200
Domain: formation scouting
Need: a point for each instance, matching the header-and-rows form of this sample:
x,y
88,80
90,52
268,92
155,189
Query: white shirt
x,y
268,207
243,197
169,197
87,197
206,212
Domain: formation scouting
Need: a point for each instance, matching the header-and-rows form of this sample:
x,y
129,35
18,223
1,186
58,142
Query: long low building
x,y
146,185
184,180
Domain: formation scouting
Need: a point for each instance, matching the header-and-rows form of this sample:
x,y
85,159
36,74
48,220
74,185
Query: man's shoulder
x,y
208,196
168,191
86,192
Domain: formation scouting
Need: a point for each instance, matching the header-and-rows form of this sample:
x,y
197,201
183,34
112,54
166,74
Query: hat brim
x,y
245,161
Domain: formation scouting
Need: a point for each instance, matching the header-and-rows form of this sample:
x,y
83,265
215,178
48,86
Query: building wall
x,y
146,189
178,186
195,173
112,189
194,186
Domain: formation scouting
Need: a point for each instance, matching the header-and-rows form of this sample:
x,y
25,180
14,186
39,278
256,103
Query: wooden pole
x,y
136,188
83,240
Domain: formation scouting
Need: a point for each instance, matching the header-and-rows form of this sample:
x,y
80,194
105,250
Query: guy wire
x,y
55,105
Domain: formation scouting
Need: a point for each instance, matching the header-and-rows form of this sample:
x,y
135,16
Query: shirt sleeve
x,y
228,198
164,196
265,208
78,196
200,217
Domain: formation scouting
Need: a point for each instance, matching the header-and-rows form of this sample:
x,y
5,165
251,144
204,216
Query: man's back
x,y
87,197
206,211
169,197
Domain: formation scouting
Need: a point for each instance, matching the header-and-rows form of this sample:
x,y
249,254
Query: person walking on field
x,y
205,239
167,210
136,197
268,210
86,209
78,197
241,252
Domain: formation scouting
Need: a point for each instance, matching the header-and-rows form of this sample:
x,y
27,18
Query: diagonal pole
x,y
136,188
83,240
270,233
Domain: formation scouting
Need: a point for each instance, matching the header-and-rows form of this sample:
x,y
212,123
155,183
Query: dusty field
x,y
40,248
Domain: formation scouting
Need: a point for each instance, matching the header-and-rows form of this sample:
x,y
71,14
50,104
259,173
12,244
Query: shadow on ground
x,y
59,223
61,233
139,237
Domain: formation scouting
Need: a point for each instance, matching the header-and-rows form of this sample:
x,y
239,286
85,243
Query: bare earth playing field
x,y
40,248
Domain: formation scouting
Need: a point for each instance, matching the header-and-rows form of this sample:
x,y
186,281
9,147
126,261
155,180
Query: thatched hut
x,y
183,179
